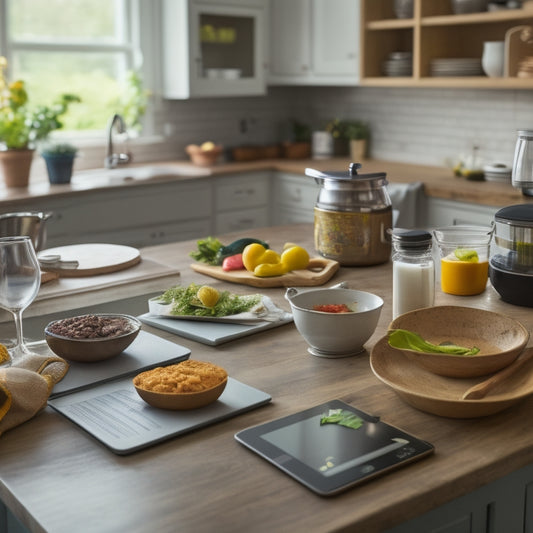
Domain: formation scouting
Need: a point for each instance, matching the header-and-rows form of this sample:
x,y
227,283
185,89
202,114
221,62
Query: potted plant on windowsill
x,y
21,128
59,159
358,134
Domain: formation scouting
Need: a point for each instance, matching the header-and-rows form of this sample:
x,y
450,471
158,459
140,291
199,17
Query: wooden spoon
x,y
481,389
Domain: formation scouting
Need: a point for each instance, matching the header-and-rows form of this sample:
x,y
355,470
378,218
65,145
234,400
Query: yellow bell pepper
x,y
295,258
256,254
266,263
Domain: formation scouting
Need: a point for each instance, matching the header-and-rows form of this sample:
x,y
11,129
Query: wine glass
x,y
20,279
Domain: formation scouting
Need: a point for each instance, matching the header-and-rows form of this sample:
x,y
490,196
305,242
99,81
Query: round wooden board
x,y
94,259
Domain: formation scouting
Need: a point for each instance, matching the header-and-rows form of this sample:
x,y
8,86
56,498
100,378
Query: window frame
x,y
140,19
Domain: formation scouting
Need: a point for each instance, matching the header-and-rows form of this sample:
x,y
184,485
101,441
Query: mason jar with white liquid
x,y
413,271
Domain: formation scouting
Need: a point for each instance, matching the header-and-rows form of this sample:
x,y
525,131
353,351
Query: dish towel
x,y
25,387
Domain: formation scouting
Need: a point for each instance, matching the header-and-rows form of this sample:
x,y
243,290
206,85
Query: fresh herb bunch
x,y
182,299
342,417
21,127
207,250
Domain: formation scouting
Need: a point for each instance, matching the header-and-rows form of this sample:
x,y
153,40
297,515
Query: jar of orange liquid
x,y
464,258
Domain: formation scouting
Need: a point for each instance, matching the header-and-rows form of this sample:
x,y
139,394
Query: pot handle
x,y
341,285
290,292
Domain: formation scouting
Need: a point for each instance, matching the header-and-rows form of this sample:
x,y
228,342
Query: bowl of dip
x,y
91,338
335,322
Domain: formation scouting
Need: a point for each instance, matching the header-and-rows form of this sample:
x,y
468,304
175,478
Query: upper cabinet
x,y
314,42
214,48
436,47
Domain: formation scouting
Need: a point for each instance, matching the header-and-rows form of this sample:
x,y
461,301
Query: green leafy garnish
x,y
463,254
408,340
184,302
207,250
342,418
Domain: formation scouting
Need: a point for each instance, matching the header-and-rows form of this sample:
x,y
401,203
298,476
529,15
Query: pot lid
x,y
520,214
350,175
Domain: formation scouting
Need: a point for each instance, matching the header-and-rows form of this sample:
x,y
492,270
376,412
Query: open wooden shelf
x,y
434,32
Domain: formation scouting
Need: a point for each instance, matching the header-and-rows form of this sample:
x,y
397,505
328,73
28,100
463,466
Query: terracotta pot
x,y
15,167
358,150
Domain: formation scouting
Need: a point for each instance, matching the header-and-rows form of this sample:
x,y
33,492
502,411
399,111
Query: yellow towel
x,y
25,387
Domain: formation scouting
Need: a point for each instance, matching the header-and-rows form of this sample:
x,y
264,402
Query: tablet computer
x,y
315,448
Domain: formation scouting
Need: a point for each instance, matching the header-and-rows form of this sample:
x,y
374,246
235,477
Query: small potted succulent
x,y
358,134
59,159
299,147
337,130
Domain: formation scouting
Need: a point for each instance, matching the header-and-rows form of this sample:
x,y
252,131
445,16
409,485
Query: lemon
x,y
208,296
4,354
463,254
205,147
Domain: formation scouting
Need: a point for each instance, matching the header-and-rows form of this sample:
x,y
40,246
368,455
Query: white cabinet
x,y
214,48
294,198
438,212
314,42
242,202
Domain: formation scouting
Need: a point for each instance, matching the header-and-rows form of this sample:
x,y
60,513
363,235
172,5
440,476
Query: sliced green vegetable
x,y
207,250
185,302
342,417
463,254
408,340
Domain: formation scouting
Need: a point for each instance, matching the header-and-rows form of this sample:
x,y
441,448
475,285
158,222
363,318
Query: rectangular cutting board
x,y
319,271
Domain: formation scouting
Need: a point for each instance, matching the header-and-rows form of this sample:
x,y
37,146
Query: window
x,y
83,47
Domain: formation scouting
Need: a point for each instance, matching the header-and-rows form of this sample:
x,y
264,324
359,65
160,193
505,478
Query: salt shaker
x,y
413,271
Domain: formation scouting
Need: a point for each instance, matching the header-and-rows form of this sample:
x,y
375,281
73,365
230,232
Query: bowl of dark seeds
x,y
91,338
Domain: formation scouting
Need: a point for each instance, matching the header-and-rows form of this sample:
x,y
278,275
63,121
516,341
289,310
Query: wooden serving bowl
x,y
204,158
499,338
182,401
94,349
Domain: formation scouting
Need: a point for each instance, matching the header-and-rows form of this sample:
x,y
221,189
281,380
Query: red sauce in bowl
x,y
332,308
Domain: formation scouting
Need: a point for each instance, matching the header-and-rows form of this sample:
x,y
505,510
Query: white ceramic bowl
x,y
335,334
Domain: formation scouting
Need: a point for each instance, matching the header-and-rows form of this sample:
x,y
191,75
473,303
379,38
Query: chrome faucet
x,y
112,159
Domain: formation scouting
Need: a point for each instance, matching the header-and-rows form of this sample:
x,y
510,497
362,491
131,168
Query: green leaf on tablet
x,y
342,418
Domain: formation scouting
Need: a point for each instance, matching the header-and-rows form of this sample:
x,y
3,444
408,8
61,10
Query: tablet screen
x,y
329,457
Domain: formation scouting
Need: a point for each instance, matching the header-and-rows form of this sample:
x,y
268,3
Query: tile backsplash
x,y
425,126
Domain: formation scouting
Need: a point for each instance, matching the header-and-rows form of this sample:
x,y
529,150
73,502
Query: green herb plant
x,y
20,126
207,250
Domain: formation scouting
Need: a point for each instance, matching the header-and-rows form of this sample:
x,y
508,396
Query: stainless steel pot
x,y
32,224
352,215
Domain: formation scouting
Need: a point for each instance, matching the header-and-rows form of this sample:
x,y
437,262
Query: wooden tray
x,y
94,259
318,272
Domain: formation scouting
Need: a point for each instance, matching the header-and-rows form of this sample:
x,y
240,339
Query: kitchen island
x,y
55,478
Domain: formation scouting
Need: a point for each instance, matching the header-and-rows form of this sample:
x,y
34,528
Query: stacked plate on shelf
x,y
460,66
497,172
398,64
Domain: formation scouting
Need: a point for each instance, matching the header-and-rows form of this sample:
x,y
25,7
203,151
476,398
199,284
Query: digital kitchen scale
x,y
331,458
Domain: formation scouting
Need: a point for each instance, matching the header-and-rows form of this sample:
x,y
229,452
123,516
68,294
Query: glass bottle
x,y
413,271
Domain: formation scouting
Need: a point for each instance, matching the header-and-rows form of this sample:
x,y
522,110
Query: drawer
x,y
296,192
241,220
294,216
248,190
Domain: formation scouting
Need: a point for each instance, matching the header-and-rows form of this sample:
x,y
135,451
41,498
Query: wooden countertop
x,y
439,182
56,478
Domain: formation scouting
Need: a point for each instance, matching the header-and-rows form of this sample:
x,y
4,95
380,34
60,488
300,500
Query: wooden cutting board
x,y
94,259
318,272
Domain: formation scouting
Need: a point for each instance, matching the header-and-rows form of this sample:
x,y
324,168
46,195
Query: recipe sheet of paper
x,y
116,415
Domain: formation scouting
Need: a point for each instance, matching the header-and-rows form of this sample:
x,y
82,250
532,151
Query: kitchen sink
x,y
102,176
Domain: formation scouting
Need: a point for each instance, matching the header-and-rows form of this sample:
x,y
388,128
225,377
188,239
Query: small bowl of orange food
x,y
335,322
205,155
186,385
491,341
464,258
